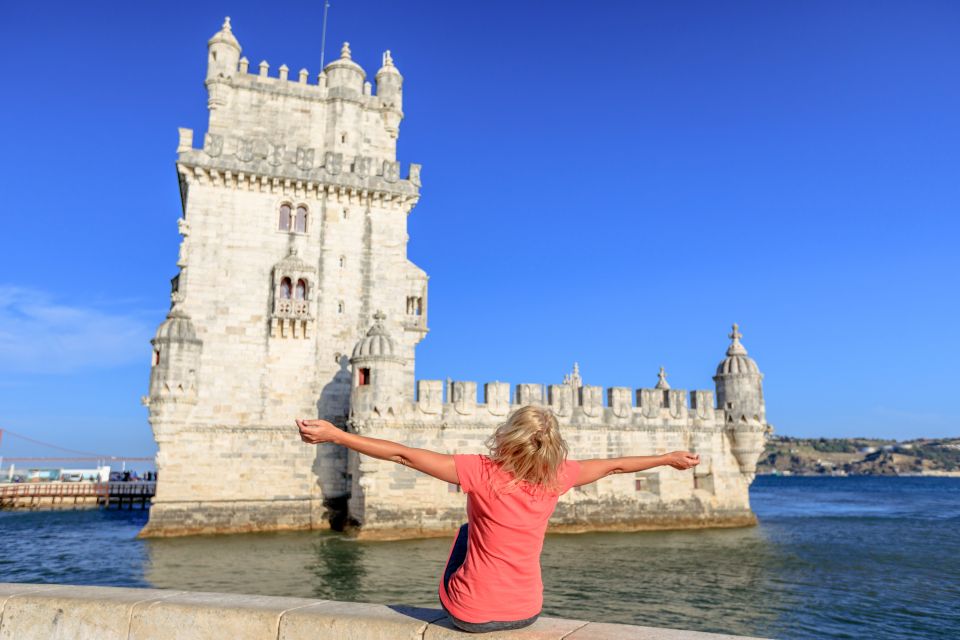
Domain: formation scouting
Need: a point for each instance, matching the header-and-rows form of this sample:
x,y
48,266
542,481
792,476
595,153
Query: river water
x,y
870,557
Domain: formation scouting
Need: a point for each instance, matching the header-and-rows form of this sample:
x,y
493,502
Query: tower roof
x,y
737,360
225,35
388,66
178,327
345,61
377,343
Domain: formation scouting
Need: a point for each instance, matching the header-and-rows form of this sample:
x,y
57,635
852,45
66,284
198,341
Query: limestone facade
x,y
295,297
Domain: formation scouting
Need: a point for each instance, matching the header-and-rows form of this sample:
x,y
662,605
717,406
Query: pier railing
x,y
37,495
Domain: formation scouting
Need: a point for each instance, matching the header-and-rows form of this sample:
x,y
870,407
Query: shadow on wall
x,y
330,464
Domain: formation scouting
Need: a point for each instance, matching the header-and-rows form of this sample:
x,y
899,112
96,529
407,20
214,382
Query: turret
x,y
740,396
176,359
223,53
344,76
378,374
390,92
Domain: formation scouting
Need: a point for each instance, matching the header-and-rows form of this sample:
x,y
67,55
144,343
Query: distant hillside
x,y
859,456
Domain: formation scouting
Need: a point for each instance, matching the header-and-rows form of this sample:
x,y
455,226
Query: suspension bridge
x,y
60,481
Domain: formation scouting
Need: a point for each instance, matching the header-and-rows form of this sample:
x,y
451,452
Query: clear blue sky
x,y
612,183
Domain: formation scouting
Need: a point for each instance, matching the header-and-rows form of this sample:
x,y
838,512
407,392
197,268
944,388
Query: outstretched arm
x,y
596,468
438,465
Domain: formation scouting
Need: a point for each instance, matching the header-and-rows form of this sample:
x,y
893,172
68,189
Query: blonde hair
x,y
529,447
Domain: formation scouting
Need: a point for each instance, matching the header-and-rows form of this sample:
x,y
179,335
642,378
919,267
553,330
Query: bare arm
x,y
438,465
596,468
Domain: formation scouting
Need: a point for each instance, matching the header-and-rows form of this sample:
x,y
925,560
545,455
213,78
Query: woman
x,y
492,579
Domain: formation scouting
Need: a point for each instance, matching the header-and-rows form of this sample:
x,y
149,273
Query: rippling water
x,y
832,558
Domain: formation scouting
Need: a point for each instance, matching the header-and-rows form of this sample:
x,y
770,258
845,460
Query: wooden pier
x,y
76,495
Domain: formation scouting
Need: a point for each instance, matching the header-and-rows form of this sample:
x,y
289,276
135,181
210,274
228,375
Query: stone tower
x,y
294,225
740,395
295,298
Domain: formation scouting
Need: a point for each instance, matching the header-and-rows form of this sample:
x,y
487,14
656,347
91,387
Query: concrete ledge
x,y
41,612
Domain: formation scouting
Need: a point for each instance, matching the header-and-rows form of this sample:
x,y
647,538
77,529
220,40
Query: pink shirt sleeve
x,y
570,472
468,470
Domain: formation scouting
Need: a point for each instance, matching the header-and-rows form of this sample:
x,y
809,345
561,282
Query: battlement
x,y
576,404
301,85
230,158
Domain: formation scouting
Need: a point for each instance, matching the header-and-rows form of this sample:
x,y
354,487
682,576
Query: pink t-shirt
x,y
500,577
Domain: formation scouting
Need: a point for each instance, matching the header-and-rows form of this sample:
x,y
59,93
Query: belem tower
x,y
295,298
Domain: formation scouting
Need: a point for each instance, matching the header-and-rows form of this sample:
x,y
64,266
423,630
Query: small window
x,y
301,291
343,138
343,261
414,306
300,223
638,484
156,357
285,288
340,307
285,217
363,378
696,482
345,211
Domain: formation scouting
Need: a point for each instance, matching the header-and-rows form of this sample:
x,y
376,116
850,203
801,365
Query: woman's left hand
x,y
317,431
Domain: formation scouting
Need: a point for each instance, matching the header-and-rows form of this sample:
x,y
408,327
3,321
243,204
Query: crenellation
x,y
529,394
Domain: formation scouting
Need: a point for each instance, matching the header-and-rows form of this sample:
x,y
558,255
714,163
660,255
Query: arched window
x,y
285,217
285,288
300,224
301,291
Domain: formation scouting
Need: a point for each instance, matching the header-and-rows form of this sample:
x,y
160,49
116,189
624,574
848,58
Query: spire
x,y
736,349
574,379
387,59
345,51
662,379
379,316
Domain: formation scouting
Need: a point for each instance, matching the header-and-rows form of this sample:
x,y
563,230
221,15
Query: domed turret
x,y
344,76
377,343
737,360
378,373
176,358
390,92
740,396
223,53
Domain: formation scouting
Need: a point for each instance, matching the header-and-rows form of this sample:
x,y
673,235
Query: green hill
x,y
859,456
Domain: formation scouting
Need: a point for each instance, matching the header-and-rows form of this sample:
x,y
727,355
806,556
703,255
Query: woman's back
x,y
500,577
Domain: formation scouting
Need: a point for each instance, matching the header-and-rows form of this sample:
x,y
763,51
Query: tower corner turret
x,y
739,385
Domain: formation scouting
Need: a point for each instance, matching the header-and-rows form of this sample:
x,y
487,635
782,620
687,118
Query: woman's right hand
x,y
682,459
317,431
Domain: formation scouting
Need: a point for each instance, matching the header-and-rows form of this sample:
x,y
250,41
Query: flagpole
x,y
323,37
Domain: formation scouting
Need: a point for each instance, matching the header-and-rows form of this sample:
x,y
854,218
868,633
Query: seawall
x,y
42,612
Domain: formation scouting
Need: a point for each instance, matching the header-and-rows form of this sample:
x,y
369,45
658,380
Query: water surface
x,y
831,558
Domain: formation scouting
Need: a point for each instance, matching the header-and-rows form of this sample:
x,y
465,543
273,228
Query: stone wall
x,y
42,612
391,500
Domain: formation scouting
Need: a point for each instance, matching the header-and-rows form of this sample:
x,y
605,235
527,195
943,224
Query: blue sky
x,y
611,183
